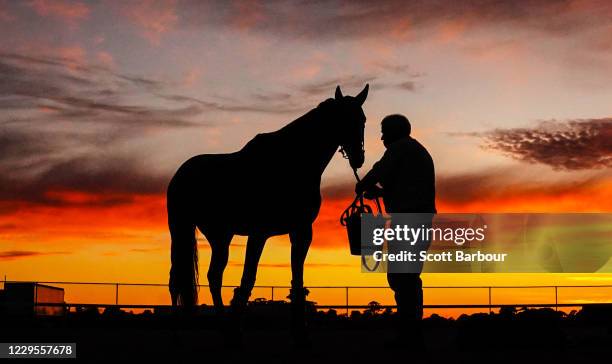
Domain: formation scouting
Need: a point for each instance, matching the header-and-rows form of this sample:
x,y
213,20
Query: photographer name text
x,y
423,256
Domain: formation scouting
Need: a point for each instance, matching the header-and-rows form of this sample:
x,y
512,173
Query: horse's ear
x,y
338,93
363,94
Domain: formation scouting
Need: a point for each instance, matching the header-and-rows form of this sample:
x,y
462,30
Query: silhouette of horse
x,y
270,187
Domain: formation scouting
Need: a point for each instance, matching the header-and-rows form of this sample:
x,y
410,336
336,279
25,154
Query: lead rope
x,y
360,199
377,200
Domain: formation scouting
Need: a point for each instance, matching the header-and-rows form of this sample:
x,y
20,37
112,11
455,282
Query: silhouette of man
x,y
406,174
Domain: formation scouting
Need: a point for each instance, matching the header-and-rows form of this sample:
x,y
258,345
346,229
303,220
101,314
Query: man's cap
x,y
396,125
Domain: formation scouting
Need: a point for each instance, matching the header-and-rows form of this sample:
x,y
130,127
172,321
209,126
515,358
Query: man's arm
x,y
373,192
383,167
369,181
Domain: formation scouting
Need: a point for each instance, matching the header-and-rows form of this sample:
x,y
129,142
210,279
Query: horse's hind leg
x,y
184,258
219,244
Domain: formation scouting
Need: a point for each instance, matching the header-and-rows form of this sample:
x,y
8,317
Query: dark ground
x,y
529,336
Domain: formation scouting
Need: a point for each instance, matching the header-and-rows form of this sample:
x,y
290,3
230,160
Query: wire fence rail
x,y
346,304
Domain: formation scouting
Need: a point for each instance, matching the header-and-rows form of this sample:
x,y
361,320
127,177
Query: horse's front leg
x,y
300,242
254,248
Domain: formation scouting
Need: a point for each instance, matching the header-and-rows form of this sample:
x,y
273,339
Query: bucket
x,y
351,219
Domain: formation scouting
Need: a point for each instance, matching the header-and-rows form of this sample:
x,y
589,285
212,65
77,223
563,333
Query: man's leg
x,y
408,289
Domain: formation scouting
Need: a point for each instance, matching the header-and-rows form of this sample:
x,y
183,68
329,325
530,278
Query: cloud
x,y
261,264
68,11
61,122
575,33
96,94
18,254
146,250
497,186
509,184
408,86
77,181
571,145
397,19
302,96
5,14
261,103
328,85
393,68
154,18
338,191
355,81
106,59
272,96
16,145
76,92
62,119
288,265
510,189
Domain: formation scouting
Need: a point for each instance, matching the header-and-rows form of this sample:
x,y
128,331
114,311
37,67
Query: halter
x,y
345,155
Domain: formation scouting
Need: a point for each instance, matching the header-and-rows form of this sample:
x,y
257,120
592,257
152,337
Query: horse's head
x,y
351,126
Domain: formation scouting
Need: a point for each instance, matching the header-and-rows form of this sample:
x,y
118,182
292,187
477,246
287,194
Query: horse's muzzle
x,y
356,161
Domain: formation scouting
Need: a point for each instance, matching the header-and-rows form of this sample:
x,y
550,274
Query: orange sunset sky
x,y
101,101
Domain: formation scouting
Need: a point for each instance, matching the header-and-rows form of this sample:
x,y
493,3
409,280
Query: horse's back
x,y
258,188
201,173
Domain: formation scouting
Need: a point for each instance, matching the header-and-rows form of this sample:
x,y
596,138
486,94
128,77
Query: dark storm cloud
x,y
571,145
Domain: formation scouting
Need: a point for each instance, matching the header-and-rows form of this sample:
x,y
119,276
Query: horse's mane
x,y
288,134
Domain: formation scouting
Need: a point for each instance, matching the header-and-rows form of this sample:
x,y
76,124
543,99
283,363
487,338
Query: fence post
x,y
489,300
116,293
272,288
347,301
556,299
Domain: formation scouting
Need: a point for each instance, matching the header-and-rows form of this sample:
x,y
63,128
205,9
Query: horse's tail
x,y
183,282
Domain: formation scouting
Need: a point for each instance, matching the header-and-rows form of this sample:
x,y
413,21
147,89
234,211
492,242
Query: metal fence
x,y
352,297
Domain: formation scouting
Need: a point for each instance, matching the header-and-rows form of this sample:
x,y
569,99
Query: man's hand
x,y
370,192
373,192
360,187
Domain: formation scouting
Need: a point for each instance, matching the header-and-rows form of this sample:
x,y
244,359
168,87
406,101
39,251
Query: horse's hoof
x,y
240,298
